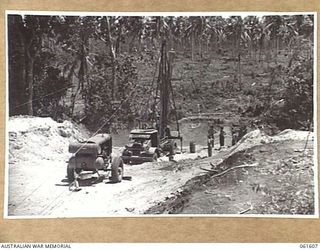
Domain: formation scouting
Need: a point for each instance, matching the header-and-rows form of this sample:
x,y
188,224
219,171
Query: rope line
x,y
111,116
39,98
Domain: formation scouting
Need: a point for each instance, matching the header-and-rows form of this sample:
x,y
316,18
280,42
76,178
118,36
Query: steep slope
x,y
259,175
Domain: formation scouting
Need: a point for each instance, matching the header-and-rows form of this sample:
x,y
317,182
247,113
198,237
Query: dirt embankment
x,y
259,175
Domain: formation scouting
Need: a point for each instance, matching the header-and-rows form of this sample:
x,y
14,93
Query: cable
x,y
153,80
52,93
97,131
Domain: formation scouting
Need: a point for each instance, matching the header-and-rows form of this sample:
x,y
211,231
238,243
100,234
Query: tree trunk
x,y
239,60
261,47
26,64
234,49
73,100
29,62
276,49
131,43
23,96
118,42
171,45
139,42
200,48
112,57
29,78
192,46
239,71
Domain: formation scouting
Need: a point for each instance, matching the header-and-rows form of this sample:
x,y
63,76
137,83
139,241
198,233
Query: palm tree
x,y
216,32
235,31
251,34
194,31
273,24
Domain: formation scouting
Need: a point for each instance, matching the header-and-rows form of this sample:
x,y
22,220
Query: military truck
x,y
92,157
143,146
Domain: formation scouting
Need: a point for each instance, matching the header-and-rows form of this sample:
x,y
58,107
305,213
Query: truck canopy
x,y
100,139
142,133
91,146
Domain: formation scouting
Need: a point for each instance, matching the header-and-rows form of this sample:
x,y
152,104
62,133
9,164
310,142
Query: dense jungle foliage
x,y
97,69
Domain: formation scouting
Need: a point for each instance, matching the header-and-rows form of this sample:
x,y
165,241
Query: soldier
x,y
157,123
234,136
221,137
243,131
167,132
211,132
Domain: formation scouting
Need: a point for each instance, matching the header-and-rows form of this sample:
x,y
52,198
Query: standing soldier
x,y
242,132
234,136
221,137
211,132
210,140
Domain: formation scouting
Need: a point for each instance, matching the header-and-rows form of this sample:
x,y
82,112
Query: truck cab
x,y
143,146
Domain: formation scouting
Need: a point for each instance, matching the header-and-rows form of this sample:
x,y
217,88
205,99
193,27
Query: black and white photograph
x,y
161,114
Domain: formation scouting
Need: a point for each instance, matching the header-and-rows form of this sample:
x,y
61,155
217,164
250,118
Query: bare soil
x,y
41,189
281,183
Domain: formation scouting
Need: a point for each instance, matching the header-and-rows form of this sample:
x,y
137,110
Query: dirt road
x,y
41,189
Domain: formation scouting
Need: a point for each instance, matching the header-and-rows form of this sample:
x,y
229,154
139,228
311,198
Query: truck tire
x,y
70,173
126,161
116,170
173,147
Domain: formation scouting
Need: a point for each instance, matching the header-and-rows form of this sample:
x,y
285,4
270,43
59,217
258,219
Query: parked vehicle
x,y
92,156
142,147
145,145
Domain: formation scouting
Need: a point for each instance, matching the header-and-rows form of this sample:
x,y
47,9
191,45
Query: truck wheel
x,y
116,170
173,148
155,157
70,173
125,161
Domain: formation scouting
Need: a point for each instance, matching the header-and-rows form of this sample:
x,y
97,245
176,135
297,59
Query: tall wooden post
x,y
164,89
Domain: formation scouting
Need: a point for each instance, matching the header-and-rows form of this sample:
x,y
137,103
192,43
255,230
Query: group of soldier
x,y
236,136
211,133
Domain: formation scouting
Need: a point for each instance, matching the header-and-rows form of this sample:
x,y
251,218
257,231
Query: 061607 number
x,y
309,246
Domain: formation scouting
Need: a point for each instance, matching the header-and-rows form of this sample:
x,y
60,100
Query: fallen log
x,y
209,170
213,165
209,192
233,168
246,210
